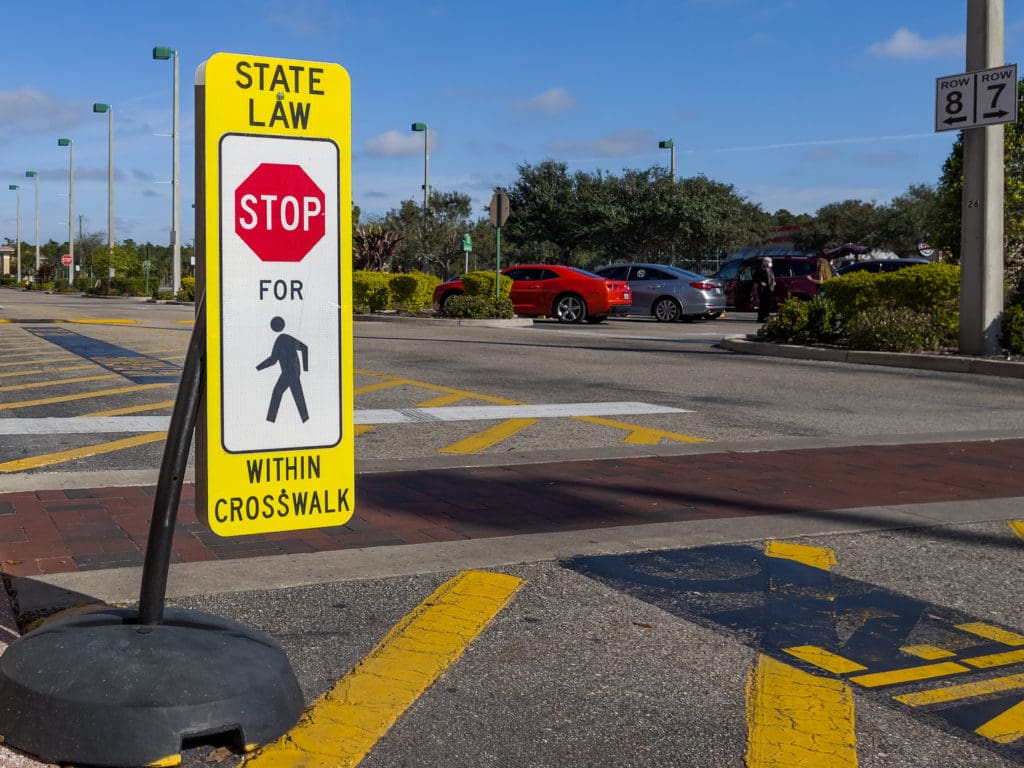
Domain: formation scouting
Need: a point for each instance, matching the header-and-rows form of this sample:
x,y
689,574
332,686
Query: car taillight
x,y
704,285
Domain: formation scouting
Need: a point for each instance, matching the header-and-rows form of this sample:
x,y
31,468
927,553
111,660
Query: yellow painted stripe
x,y
58,382
910,674
43,371
362,429
166,762
925,651
1017,526
822,558
641,435
1006,727
483,440
47,459
439,388
830,662
995,659
341,727
102,321
83,396
962,691
797,719
981,629
28,359
186,322
376,387
134,409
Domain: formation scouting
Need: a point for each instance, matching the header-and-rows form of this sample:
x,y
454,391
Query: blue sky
x,y
796,103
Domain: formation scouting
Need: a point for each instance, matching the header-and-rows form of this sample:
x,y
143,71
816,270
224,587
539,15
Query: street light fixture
x,y
422,128
669,144
34,175
162,53
101,108
17,253
71,205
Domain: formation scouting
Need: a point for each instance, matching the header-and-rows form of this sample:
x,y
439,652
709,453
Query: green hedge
x,y
380,291
930,288
1012,337
478,307
481,283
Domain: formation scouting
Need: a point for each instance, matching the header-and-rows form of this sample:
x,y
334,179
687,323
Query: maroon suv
x,y
793,273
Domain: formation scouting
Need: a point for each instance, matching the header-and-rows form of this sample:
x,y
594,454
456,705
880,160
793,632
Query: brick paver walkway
x,y
59,531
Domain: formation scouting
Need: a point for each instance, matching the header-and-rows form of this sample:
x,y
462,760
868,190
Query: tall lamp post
x,y
162,53
71,205
101,108
17,253
34,175
670,145
422,127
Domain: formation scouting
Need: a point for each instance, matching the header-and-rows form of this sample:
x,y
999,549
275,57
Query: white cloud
x,y
631,141
905,44
28,109
552,100
397,144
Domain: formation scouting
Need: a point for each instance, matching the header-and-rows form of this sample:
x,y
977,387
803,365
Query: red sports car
x,y
550,290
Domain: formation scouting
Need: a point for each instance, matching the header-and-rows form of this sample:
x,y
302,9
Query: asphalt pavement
x,y
659,607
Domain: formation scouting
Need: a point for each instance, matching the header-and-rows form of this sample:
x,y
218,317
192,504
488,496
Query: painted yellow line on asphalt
x,y
101,321
995,659
377,387
41,371
963,691
342,726
821,558
926,651
981,629
797,719
364,428
46,459
910,674
134,409
63,358
58,382
481,441
641,435
442,401
823,659
439,388
1017,526
1006,727
82,396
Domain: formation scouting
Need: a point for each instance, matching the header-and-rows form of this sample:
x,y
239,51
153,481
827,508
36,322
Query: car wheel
x,y
570,309
597,319
444,299
666,310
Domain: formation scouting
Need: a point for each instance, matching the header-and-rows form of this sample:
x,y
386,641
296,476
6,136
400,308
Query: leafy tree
x,y
905,221
851,221
430,242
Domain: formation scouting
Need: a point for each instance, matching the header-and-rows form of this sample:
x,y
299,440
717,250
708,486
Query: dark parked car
x,y
880,265
668,293
793,273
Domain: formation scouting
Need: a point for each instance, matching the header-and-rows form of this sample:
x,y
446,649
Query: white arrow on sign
x,y
971,99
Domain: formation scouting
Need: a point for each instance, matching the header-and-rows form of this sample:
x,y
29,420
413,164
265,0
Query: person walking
x,y
286,353
764,285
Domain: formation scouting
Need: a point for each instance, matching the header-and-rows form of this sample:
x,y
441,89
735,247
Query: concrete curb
x,y
982,366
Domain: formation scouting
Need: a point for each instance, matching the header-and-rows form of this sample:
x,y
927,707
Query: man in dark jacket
x,y
764,284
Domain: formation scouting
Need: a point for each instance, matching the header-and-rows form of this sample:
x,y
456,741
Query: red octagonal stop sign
x,y
279,212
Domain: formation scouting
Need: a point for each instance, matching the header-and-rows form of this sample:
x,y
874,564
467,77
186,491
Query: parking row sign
x,y
973,99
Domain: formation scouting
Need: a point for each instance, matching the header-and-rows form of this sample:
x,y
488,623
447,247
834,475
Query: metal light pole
x,y
669,144
162,53
34,175
71,205
422,127
17,253
100,108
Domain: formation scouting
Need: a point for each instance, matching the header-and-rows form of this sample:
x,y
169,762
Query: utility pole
x,y
981,250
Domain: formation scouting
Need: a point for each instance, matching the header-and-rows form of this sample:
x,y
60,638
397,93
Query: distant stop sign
x,y
66,259
279,212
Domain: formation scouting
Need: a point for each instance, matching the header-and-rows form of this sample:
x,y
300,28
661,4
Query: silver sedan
x,y
667,293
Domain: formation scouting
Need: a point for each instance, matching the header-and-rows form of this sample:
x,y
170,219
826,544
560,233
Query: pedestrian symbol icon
x,y
286,353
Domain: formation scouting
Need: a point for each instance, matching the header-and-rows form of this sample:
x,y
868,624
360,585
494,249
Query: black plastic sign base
x,y
102,689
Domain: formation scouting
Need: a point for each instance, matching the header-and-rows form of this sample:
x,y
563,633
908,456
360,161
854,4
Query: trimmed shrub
x,y
481,283
823,321
478,307
896,329
414,291
370,291
932,289
789,324
1012,336
187,291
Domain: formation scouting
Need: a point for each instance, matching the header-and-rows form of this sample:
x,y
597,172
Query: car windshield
x,y
584,272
